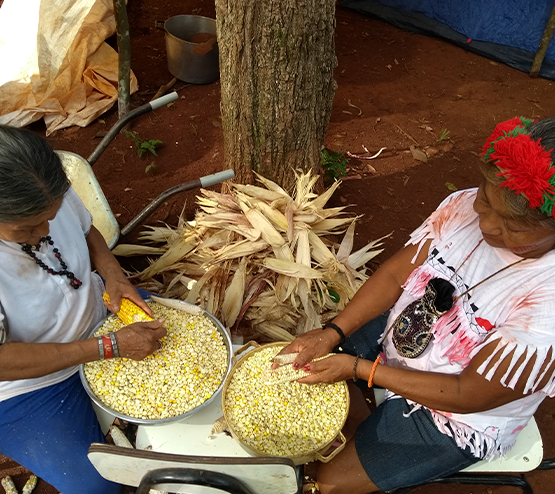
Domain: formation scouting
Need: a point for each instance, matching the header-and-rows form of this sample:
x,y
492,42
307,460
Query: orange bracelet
x,y
373,371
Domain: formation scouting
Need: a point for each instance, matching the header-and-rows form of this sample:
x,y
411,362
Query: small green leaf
x,y
334,295
451,187
444,135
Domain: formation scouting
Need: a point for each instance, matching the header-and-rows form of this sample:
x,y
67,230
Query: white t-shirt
x,y
516,307
37,307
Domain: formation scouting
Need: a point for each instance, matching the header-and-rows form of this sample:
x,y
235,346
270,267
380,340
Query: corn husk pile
x,y
257,255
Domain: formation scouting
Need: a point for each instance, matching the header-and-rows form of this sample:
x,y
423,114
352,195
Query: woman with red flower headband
x,y
462,317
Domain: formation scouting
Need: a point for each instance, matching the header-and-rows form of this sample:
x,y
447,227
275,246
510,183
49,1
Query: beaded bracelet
x,y
100,348
373,371
337,329
114,344
355,368
107,345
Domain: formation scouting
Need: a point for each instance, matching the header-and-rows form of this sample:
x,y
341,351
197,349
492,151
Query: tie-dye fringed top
x,y
516,308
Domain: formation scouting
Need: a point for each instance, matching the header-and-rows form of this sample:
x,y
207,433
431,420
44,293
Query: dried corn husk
x,y
261,257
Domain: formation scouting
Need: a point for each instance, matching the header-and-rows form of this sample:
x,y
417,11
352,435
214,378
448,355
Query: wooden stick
x,y
164,89
544,43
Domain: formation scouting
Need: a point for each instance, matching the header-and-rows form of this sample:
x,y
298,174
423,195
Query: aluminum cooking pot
x,y
191,48
135,420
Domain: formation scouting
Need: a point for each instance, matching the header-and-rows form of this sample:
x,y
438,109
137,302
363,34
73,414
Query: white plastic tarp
x,y
55,63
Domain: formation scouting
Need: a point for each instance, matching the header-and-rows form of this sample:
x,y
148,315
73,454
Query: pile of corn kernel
x,y
287,419
182,375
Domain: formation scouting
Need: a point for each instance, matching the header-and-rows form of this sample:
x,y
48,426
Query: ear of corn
x,y
291,264
233,299
195,310
219,426
8,485
119,438
30,485
129,312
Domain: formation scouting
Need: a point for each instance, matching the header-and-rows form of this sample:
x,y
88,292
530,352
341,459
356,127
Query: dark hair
x,y
32,178
517,204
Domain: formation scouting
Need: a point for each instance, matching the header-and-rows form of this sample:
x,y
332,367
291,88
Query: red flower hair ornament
x,y
524,163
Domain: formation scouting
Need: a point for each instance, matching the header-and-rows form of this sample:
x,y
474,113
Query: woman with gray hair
x,y
50,299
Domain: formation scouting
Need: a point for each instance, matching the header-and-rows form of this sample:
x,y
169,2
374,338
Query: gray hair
x,y
32,178
517,205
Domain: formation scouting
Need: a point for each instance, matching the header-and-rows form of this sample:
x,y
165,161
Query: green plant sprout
x,y
143,146
334,165
444,135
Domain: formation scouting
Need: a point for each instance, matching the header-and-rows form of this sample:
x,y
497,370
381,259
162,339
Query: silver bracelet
x,y
100,348
114,344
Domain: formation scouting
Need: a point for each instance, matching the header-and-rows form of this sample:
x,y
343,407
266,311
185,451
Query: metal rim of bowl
x,y
297,459
141,421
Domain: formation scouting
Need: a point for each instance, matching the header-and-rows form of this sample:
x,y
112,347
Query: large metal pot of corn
x,y
302,422
176,381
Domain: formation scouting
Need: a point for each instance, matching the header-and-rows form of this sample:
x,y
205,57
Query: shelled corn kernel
x,y
289,419
182,375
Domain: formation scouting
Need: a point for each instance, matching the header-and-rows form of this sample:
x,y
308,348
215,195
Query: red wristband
x,y
108,348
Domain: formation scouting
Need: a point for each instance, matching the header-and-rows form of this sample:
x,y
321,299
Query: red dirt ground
x,y
395,90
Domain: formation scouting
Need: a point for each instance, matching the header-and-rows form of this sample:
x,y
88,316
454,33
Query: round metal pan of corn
x,y
272,416
184,376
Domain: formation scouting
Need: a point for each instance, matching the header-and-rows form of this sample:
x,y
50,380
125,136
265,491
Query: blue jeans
x,y
49,432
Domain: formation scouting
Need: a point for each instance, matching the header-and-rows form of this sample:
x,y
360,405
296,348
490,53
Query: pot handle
x,y
159,24
338,449
239,351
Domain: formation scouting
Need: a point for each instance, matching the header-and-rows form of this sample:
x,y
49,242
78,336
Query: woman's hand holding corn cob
x,y
117,284
140,339
119,288
310,345
329,370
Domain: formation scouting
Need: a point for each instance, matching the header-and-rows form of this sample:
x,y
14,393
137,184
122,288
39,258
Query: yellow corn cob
x,y
128,311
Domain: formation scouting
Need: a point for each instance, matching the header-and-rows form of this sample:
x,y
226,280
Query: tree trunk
x,y
124,57
276,68
544,45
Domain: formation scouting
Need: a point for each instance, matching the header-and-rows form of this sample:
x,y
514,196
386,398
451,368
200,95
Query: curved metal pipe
x,y
193,184
122,122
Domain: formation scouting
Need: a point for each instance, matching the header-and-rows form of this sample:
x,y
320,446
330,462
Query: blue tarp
x,y
508,31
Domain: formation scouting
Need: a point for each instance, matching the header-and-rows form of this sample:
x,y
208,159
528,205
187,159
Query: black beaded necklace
x,y
28,249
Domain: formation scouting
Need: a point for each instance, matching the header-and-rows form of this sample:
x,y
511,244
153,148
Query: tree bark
x,y
544,45
124,57
276,69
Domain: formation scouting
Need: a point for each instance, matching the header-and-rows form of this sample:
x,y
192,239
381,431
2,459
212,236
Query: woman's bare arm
x,y
464,393
117,284
377,295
